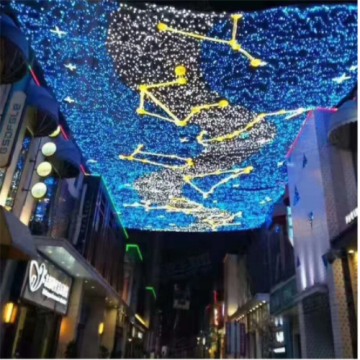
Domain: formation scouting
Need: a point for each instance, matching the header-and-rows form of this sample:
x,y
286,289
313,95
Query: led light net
x,y
189,116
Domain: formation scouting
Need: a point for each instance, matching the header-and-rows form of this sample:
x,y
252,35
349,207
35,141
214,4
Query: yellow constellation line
x,y
232,43
188,161
236,173
211,220
200,138
222,222
172,207
180,72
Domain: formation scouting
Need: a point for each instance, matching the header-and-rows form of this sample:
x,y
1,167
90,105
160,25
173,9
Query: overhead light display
x,y
188,116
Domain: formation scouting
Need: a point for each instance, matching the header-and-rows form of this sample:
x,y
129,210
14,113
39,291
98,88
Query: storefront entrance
x,y
37,333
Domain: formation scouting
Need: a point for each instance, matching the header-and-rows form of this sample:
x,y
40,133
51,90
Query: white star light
x,y
71,67
341,79
353,68
58,32
297,112
280,163
69,100
184,140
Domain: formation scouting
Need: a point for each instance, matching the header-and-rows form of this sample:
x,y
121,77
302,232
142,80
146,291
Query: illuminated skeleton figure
x,y
180,72
232,43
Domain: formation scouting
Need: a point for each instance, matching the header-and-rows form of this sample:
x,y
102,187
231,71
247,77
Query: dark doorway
x,y
39,335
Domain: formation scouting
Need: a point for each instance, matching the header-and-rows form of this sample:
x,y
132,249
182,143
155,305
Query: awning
x,y
42,110
14,51
16,240
67,158
63,254
343,127
254,303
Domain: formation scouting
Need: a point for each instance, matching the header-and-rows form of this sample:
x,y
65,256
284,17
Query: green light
x,y
117,214
151,288
135,246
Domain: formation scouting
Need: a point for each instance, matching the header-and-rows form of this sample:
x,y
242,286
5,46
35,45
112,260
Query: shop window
x,y
63,213
18,171
40,220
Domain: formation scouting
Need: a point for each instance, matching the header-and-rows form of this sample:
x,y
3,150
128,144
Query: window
x,y
18,171
40,220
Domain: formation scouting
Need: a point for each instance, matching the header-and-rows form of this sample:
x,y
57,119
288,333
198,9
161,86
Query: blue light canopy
x,y
189,116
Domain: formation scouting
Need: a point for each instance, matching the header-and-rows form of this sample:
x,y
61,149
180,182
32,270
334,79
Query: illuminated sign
x,y
216,317
44,169
38,191
47,285
48,149
352,216
40,279
192,114
10,126
280,336
56,132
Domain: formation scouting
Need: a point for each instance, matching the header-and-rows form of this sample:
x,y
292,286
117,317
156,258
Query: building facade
x,y
65,257
323,195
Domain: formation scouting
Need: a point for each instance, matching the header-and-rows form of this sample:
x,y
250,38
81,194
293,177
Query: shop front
x,y
34,324
283,309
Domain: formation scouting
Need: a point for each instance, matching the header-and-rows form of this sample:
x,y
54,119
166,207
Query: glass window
x,y
18,171
40,220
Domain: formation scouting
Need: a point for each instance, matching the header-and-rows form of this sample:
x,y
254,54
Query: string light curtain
x,y
188,116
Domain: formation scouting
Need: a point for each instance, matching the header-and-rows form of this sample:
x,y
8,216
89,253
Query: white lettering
x,y
52,287
350,217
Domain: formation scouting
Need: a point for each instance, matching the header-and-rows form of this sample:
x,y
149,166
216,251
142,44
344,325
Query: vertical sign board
x,y
47,286
10,125
242,340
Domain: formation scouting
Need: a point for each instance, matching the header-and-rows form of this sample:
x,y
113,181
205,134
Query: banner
x,y
10,126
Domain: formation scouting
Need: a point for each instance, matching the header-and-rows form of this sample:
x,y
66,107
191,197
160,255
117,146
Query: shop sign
x,y
283,298
351,216
47,286
10,126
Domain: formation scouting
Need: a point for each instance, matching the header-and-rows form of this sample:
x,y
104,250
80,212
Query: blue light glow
x,y
96,54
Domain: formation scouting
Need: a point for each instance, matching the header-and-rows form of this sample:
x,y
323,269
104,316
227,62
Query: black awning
x,y
67,158
14,51
16,241
42,110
